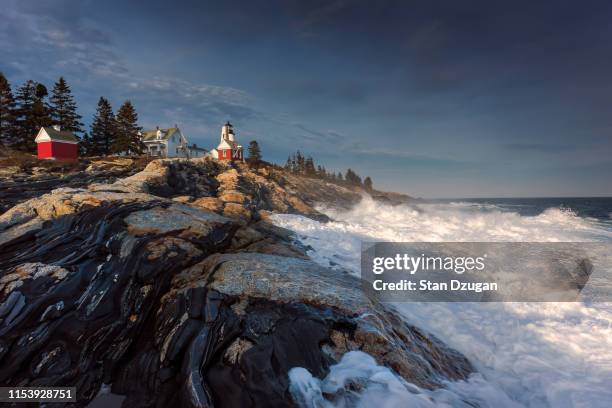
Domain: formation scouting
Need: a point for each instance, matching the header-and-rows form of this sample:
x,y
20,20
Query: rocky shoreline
x,y
172,286
19,183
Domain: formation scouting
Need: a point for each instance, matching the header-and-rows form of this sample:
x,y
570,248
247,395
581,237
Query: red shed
x,y
54,144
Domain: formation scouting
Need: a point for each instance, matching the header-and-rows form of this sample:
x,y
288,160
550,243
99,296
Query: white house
x,y
170,142
195,151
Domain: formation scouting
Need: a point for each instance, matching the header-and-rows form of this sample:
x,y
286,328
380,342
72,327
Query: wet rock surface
x,y
159,287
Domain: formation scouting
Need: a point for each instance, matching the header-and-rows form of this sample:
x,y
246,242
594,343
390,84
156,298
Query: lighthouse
x,y
228,149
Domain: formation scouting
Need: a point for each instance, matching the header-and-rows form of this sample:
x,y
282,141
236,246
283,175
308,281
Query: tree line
x,y
297,163
31,107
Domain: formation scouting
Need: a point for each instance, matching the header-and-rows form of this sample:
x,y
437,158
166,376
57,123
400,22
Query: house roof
x,y
151,135
61,135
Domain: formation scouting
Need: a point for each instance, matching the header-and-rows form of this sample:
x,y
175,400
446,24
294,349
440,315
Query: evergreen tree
x,y
309,167
7,113
32,113
352,178
86,146
349,176
64,109
103,129
357,181
294,167
254,152
339,178
288,164
24,128
127,138
41,111
367,184
300,163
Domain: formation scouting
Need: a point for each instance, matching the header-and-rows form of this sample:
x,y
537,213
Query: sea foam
x,y
527,354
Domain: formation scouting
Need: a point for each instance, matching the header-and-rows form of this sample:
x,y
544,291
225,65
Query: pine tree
x,y
7,113
86,146
300,163
348,176
294,167
352,178
254,152
41,110
32,113
103,129
24,128
309,167
320,171
127,138
63,108
367,184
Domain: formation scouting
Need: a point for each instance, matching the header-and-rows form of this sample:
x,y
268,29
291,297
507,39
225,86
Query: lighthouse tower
x,y
228,149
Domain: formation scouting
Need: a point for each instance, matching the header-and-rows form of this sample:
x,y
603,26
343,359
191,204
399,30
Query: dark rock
x,y
262,315
118,284
19,188
87,285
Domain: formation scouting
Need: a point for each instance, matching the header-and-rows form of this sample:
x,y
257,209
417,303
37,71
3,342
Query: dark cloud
x,y
68,43
410,85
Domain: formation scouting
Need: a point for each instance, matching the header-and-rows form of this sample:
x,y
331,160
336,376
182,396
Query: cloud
x,y
75,47
319,136
37,39
211,98
541,147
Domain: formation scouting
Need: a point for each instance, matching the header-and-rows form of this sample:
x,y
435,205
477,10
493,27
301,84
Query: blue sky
x,y
431,98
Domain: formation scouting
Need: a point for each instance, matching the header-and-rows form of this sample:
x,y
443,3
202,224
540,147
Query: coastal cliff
x,y
171,285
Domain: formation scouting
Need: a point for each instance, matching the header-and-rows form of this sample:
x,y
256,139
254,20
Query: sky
x,y
431,98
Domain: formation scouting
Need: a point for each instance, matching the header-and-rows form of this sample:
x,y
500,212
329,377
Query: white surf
x,y
526,354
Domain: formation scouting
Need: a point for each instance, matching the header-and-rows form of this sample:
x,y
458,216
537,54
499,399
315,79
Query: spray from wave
x,y
527,354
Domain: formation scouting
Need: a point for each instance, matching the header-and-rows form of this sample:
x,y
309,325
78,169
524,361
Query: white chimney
x,y
57,127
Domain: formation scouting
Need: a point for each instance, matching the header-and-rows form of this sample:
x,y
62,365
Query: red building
x,y
54,144
228,149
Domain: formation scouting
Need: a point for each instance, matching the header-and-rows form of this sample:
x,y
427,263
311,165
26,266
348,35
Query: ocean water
x,y
526,354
